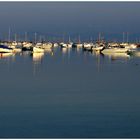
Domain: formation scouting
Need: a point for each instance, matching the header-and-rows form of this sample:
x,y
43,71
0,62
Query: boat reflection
x,y
25,53
64,50
78,49
37,60
37,57
49,51
136,54
115,56
96,53
98,56
6,55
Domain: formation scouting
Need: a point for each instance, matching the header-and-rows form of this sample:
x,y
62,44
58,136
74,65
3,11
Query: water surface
x,y
69,94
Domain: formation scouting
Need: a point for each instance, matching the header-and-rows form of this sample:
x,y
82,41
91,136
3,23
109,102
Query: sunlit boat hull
x,y
115,50
17,50
117,55
37,50
5,49
47,46
98,49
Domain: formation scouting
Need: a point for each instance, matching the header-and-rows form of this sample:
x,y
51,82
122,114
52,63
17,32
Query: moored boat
x,y
129,45
63,45
115,50
26,46
87,46
98,47
117,55
36,49
5,49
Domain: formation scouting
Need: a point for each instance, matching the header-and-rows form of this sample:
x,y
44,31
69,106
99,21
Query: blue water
x,y
72,94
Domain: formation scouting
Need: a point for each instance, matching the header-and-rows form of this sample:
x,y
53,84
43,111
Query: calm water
x,y
69,94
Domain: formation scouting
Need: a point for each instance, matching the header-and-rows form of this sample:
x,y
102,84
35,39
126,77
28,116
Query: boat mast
x,y
15,37
69,39
123,36
35,37
44,40
91,39
127,36
79,41
40,39
9,35
25,36
63,37
99,37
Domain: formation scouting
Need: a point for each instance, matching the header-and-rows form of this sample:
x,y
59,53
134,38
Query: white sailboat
x,y
47,46
129,45
5,49
98,47
79,44
87,46
26,46
55,45
69,45
37,49
114,50
63,45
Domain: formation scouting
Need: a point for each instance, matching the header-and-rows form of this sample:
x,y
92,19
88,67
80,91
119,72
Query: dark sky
x,y
57,19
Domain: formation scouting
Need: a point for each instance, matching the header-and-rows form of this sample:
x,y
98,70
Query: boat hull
x,y
37,50
3,50
115,50
97,49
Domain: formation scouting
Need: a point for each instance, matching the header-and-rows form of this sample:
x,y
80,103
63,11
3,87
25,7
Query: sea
x,y
69,93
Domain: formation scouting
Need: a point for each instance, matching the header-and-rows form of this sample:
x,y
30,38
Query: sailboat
x,y
26,45
115,50
14,45
79,44
5,49
87,46
99,46
69,45
37,49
